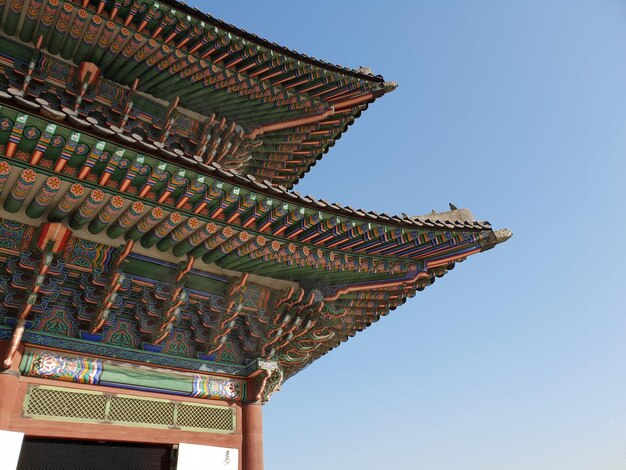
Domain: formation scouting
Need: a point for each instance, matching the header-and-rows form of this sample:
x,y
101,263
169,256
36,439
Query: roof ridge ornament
x,y
390,86
495,238
502,235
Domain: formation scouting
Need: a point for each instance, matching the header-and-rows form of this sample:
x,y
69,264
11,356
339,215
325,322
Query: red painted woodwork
x,y
13,388
252,455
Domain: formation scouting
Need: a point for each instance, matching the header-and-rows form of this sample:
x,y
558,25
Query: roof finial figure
x,y
390,86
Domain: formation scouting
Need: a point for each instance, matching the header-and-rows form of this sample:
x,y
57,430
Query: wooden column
x,y
252,448
9,384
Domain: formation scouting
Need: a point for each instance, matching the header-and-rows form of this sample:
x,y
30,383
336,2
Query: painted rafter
x,y
143,146
107,42
241,206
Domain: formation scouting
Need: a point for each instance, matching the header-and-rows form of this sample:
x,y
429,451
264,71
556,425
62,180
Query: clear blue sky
x,y
516,359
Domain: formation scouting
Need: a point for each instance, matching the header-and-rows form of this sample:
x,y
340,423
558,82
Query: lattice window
x,y
77,405
205,417
52,402
141,411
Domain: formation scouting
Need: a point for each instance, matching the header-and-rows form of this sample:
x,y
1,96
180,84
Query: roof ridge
x,y
361,72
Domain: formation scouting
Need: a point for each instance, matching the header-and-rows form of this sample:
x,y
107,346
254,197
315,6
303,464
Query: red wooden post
x,y
9,381
252,455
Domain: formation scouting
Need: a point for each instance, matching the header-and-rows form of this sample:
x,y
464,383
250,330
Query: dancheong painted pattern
x,y
147,158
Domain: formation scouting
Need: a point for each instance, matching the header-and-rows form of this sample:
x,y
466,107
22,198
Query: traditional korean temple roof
x,y
363,73
253,106
146,161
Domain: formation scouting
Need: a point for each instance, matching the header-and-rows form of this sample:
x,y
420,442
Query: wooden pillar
x,y
8,391
9,384
252,448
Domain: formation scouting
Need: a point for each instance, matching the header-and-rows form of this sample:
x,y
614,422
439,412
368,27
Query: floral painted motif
x,y
104,157
88,254
122,333
49,365
11,234
81,149
208,387
31,133
56,321
6,124
58,141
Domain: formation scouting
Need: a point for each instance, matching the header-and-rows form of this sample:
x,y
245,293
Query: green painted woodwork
x,y
152,150
227,261
238,93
